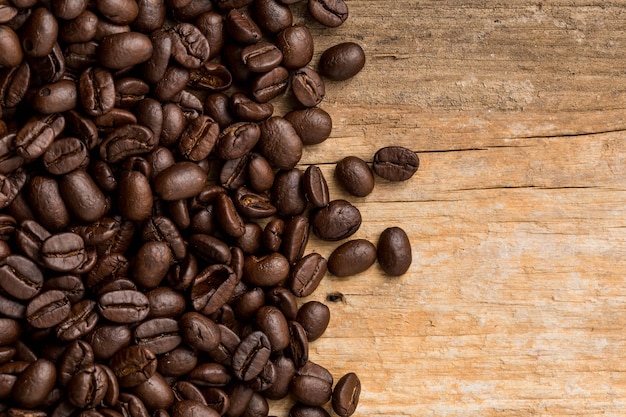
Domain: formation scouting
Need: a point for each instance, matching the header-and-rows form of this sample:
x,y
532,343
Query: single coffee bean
x,y
216,106
81,29
287,193
199,138
165,302
280,143
131,405
68,9
152,263
271,321
34,384
211,76
331,13
210,375
47,309
301,410
270,85
113,390
11,308
179,181
37,135
241,28
260,173
312,385
298,349
251,356
88,387
237,140
253,205
109,339
189,46
337,221
150,16
173,82
352,258
307,274
123,50
250,241
11,54
249,110
346,395
82,196
154,68
261,57
63,252
394,251
191,11
82,127
308,87
125,141
65,155
271,15
76,356
81,320
266,270
20,277
163,229
124,306
295,238
159,335
210,248
178,362
355,176
14,83
315,186
51,68
155,393
10,331
212,288
314,318
133,365
227,216
313,125
121,12
342,61
39,33
296,44
97,91
130,91
192,408
56,97
199,331
45,198
395,163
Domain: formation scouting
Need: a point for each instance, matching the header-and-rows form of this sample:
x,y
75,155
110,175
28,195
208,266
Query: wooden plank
x,y
514,302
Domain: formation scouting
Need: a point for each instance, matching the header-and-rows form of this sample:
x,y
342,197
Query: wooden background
x,y
514,304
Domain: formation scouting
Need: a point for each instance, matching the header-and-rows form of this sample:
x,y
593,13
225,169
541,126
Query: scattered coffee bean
x,y
346,395
394,251
395,163
352,258
355,176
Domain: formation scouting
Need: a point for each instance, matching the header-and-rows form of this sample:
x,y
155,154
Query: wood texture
x,y
514,304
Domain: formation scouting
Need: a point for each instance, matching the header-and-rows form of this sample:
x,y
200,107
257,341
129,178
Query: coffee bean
x,y
20,277
14,83
307,273
47,309
65,155
165,302
81,29
37,135
123,50
150,16
124,306
261,57
313,125
179,181
394,251
395,163
242,28
298,349
307,87
212,288
271,15
314,318
280,143
97,91
133,365
312,385
56,97
34,384
82,196
287,193
249,110
337,221
178,362
211,77
81,320
192,408
39,33
346,395
271,321
315,186
199,331
237,140
159,335
11,54
270,85
342,61
251,356
296,44
10,331
295,238
267,270
301,410
45,198
88,387
355,176
121,12
63,252
189,46
331,13
352,258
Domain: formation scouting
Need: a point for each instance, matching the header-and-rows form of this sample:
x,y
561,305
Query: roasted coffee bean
x,y
272,234
163,229
152,263
199,138
174,80
56,97
199,331
233,173
14,83
342,61
301,410
211,24
81,29
81,320
312,385
37,135
271,15
80,56
130,91
130,405
209,375
266,270
68,9
10,331
20,277
155,66
70,285
34,384
280,143
210,248
237,140
395,163
178,362
260,173
109,339
97,91
241,28
51,68
88,387
150,15
65,155
249,302
308,87
133,365
251,356
192,10
82,196
123,50
296,44
352,258
337,221
346,395
155,393
307,274
212,288
253,205
124,306
314,318
355,176
11,308
76,356
315,186
47,309
11,54
10,186
125,141
249,110
394,251
331,13
83,128
211,77
295,238
227,216
121,12
45,198
270,85
284,370
216,106
159,335
192,408
39,33
179,181
271,321
63,252
9,160
165,302
287,193
189,46
298,348
7,11
261,57
250,241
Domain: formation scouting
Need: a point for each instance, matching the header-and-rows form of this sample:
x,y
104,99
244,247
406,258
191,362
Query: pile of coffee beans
x,y
153,220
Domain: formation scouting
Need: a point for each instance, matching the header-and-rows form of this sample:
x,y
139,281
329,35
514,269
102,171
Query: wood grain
x,y
514,304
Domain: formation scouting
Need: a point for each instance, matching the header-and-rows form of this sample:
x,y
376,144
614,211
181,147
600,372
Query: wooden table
x,y
514,304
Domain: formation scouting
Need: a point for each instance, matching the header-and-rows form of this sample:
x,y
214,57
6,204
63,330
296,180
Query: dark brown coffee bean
x,y
287,193
81,29
10,186
63,252
312,385
14,83
81,320
250,241
178,362
395,163
150,15
80,56
133,365
315,186
272,234
251,356
88,387
271,321
280,143
11,54
76,356
210,375
125,306
199,332
45,198
20,277
7,11
247,304
346,395
210,248
109,268
173,82
228,217
130,91
270,85
39,33
155,66
199,138
192,10
212,288
216,106
159,335
68,9
192,408
211,76
130,405
125,141
107,340
337,221
260,173
301,410
155,393
249,110
307,273
152,263
120,12
355,176
165,302
56,97
298,349
47,309
163,229
11,308
233,173
331,13
352,258
34,384
266,271
179,181
394,251
211,24
189,46
10,331
295,238
308,87
296,44
82,127
65,155
314,318
342,61
37,135
97,91
241,28
237,140
82,196
261,57
123,50
272,15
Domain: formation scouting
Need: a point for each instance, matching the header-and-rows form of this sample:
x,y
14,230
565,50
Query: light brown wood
x,y
514,304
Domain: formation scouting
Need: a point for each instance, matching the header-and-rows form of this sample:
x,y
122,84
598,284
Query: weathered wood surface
x,y
514,304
